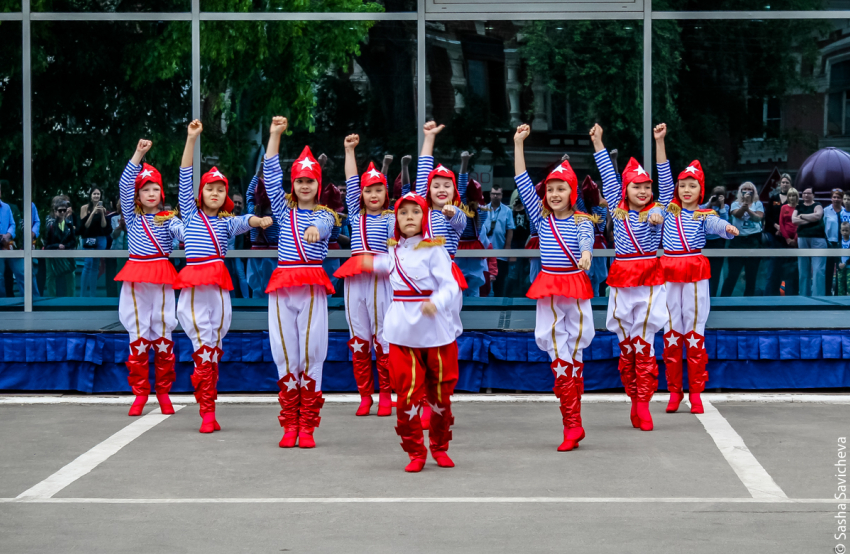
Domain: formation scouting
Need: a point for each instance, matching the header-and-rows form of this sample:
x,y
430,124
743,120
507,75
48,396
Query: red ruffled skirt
x,y
685,269
299,276
157,272
573,285
352,266
533,243
213,273
470,245
635,273
459,278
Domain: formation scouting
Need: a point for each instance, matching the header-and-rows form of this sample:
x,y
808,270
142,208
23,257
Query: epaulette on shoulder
x,y
703,213
581,216
620,213
465,209
387,212
427,243
162,217
392,242
674,208
337,218
225,214
644,214
290,203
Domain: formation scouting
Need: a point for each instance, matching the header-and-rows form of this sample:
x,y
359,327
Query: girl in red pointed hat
x,y
367,294
686,272
204,305
298,290
636,301
564,326
474,235
146,305
420,329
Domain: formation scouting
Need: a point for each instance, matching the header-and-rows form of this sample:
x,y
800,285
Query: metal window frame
x,y
558,11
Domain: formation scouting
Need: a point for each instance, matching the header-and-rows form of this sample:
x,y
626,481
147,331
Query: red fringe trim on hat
x,y
159,272
334,246
459,278
533,243
284,277
685,269
353,266
214,273
635,273
470,245
575,285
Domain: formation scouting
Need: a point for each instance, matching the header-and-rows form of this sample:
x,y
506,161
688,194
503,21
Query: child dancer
x,y
686,272
260,269
564,325
470,239
367,294
204,306
421,332
146,306
636,302
298,303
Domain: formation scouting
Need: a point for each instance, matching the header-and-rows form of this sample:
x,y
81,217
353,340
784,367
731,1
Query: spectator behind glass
x,y
716,202
772,238
236,266
7,242
808,217
500,231
60,235
788,233
95,228
113,219
518,283
842,277
747,215
831,222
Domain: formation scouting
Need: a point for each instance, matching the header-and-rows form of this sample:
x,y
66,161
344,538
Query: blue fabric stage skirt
x,y
94,363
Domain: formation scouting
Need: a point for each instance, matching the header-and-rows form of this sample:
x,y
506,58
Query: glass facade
x,y
751,97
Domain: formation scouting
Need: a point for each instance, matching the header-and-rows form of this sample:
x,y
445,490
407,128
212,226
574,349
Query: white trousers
x,y
564,327
146,310
367,299
637,312
688,305
204,313
298,331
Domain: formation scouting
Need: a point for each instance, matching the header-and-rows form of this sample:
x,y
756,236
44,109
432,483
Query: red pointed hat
x,y
396,187
442,171
426,218
590,193
374,177
149,174
562,172
634,173
215,176
474,192
693,171
332,198
307,166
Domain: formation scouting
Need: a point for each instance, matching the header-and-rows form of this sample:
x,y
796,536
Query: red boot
x,y
697,374
203,379
289,399
571,439
385,404
409,428
440,433
673,344
365,406
646,369
139,376
207,422
164,360
311,406
567,392
628,376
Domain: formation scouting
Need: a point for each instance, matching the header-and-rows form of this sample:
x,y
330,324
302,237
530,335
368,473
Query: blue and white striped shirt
x,y
562,241
143,235
291,246
440,227
377,228
205,237
632,238
685,232
261,237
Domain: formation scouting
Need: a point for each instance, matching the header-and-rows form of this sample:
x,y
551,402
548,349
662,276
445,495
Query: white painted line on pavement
x,y
589,398
758,481
94,457
424,500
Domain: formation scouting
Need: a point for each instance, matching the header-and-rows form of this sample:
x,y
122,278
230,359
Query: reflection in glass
x,y
111,5
308,6
748,5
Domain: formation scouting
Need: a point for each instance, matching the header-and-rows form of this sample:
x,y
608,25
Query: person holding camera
x,y
60,235
716,202
748,217
95,228
808,217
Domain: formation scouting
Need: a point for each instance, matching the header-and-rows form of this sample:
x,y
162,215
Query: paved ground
x,y
685,487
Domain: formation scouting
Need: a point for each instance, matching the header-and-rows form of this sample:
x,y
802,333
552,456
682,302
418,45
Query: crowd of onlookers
x,y
789,219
